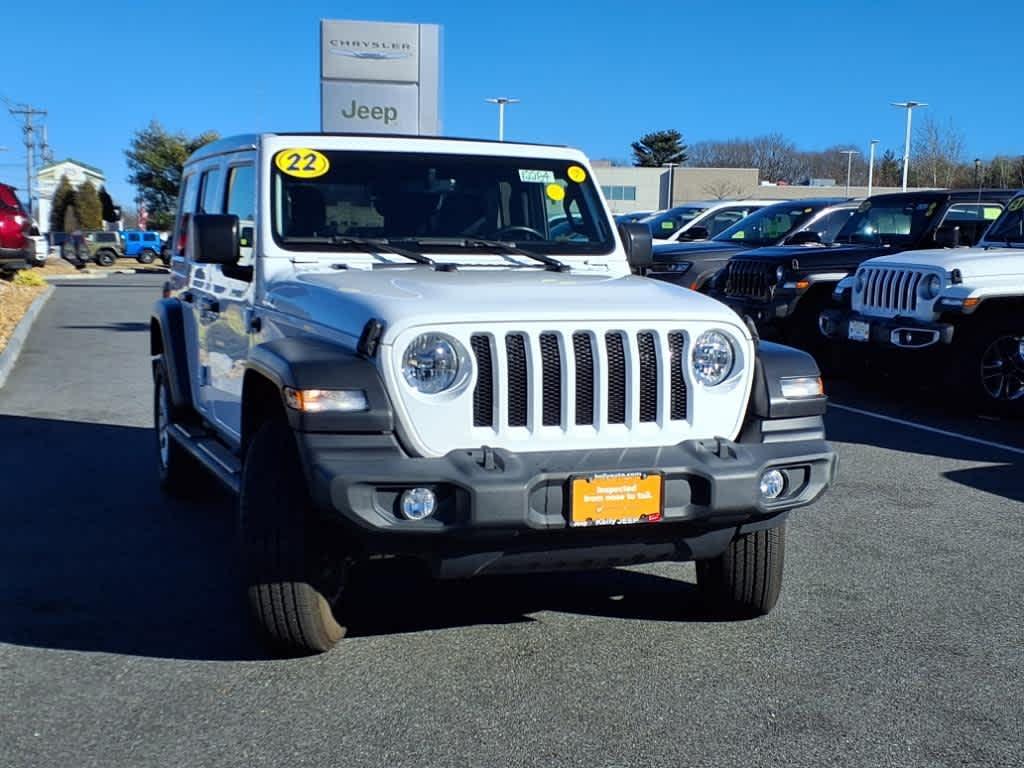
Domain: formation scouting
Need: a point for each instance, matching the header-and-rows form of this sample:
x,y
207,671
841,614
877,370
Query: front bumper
x,y
494,502
898,332
763,312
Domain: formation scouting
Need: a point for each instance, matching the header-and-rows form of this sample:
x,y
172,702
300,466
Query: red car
x,y
16,249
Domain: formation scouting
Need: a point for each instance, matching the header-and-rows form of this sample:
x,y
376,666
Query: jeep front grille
x,y
750,279
891,290
608,385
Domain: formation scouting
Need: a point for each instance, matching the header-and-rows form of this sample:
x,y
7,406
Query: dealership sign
x,y
379,77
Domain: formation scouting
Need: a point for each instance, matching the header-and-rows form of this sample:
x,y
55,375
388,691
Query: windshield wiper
x,y
475,242
371,245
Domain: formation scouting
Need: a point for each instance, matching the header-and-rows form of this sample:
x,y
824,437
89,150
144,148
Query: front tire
x,y
180,474
292,574
746,579
105,258
992,367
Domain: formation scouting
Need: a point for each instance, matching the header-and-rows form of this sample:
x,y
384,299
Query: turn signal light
x,y
323,400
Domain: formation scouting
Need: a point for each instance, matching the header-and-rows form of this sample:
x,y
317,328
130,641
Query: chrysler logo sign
x,y
370,50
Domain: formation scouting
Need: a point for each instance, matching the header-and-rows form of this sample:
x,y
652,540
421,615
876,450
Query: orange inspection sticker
x,y
616,499
577,174
555,192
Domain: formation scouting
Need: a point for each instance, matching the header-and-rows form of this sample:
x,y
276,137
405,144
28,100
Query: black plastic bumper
x,y
501,505
14,259
763,313
898,333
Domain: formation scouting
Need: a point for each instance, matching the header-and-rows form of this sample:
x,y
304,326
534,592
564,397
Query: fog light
x,y
773,483
418,503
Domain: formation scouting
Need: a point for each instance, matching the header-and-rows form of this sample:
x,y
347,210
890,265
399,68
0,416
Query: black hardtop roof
x,y
952,195
824,202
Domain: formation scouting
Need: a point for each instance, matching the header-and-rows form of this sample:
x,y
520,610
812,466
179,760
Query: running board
x,y
211,453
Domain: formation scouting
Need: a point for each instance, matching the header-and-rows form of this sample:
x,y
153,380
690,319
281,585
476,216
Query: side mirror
x,y
639,245
947,237
806,237
214,238
695,233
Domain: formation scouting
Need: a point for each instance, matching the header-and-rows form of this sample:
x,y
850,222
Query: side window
x,y
187,204
208,184
972,219
240,195
723,219
133,238
830,225
149,237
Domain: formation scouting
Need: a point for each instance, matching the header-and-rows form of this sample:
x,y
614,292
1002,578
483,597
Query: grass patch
x,y
15,299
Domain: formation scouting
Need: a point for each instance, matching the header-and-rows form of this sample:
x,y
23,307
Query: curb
x,y
94,274
9,356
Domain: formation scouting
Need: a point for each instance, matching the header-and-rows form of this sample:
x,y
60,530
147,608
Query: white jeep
x,y
965,305
435,348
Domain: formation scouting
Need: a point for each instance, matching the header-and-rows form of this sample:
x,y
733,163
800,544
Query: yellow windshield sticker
x,y
555,192
992,213
576,174
739,235
302,163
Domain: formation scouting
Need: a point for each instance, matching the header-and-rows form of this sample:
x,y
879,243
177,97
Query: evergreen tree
x,y
653,150
88,207
110,212
63,198
889,170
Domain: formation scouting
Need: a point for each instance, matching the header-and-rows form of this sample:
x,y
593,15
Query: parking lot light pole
x,y
910,106
871,165
849,166
671,181
501,101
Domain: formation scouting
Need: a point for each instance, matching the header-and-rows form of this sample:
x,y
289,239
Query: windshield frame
x,y
933,207
1014,210
587,198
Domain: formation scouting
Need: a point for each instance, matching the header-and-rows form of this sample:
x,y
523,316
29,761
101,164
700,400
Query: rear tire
x,y
146,256
292,574
106,258
746,579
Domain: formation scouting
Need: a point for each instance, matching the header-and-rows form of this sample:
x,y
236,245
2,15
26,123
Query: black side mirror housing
x,y
806,237
695,233
214,238
639,245
947,237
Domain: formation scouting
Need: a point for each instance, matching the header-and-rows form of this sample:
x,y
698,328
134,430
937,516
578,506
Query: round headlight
x,y
433,363
780,274
931,287
713,358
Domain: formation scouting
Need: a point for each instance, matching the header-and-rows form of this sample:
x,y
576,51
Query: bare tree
x,y
938,152
721,189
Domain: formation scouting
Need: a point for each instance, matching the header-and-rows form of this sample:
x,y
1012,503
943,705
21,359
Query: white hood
x,y
973,263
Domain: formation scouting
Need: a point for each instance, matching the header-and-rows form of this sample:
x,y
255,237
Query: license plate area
x,y
615,498
858,330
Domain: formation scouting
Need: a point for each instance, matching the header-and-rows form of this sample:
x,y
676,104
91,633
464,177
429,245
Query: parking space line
x,y
926,428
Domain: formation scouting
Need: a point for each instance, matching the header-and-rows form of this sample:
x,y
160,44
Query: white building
x,y
49,178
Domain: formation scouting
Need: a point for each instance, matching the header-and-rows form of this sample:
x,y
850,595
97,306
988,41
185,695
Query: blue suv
x,y
141,245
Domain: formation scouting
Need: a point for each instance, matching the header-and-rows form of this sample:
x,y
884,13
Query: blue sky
x,y
592,74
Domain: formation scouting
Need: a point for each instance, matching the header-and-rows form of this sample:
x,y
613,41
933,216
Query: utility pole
x,y
849,166
501,101
871,166
910,106
28,112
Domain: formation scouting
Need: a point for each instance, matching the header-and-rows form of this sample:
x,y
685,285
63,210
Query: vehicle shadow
x,y
95,558
120,327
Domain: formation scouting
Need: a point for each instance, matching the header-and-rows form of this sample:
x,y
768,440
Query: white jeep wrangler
x,y
435,348
965,305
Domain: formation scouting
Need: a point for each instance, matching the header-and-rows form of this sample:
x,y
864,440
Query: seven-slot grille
x,y
601,395
750,279
891,290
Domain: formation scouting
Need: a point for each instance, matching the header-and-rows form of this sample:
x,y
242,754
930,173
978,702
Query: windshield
x,y
890,222
769,225
546,206
665,224
1009,228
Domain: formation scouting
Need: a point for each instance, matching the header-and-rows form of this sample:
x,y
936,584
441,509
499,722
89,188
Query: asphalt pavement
x,y
124,641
